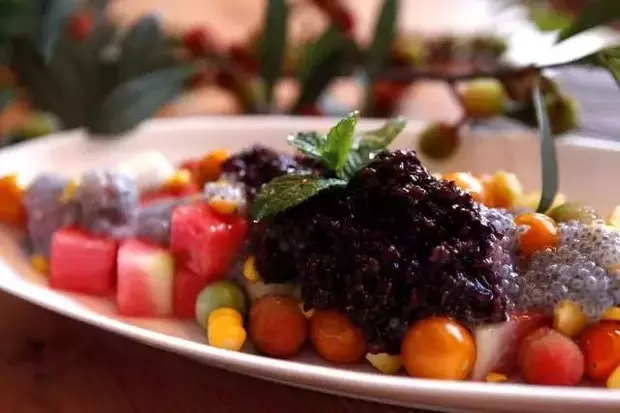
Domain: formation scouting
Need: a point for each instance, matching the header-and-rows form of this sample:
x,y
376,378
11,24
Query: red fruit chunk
x,y
549,358
199,41
145,280
600,344
497,344
83,263
204,241
81,25
187,286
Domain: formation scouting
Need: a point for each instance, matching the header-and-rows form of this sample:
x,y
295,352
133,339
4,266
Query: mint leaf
x,y
385,135
308,143
596,13
370,143
335,151
288,191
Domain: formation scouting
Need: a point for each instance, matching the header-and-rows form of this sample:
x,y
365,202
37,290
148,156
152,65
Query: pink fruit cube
x,y
204,241
145,280
82,262
187,286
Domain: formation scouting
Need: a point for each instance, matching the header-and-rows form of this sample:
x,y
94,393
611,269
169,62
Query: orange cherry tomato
x,y
541,232
335,338
468,183
277,326
600,344
438,348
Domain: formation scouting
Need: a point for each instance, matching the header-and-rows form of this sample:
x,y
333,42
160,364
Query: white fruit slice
x,y
150,170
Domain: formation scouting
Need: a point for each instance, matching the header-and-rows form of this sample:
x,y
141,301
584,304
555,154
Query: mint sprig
x,y
340,150
288,191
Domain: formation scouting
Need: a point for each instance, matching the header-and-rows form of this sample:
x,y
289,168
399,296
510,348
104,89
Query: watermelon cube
x,y
145,280
187,286
83,263
205,241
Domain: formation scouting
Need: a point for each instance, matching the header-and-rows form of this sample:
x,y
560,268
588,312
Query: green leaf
x,y
141,46
55,15
335,151
384,34
137,100
273,44
384,136
549,20
288,191
323,62
309,143
596,13
549,161
610,61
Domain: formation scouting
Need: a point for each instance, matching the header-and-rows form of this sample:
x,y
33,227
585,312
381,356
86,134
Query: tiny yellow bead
x,y
308,314
69,191
223,206
612,314
39,263
613,382
496,378
226,336
569,319
385,363
249,270
225,313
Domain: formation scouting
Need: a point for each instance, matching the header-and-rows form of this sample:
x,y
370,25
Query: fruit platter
x,y
328,254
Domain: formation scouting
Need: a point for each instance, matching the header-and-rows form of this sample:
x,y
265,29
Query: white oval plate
x,y
584,163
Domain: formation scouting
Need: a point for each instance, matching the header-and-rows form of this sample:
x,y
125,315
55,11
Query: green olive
x,y
572,211
439,141
484,98
219,295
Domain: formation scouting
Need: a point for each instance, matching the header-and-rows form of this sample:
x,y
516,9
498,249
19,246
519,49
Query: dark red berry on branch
x,y
310,109
338,14
81,25
225,79
244,58
199,41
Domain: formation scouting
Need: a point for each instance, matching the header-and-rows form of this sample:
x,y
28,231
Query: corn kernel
x,y
569,319
612,314
496,378
308,314
226,336
69,192
614,217
180,179
249,270
222,206
385,363
210,167
39,263
506,189
225,313
613,382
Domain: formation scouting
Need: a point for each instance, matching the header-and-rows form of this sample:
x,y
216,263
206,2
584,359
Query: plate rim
x,y
345,382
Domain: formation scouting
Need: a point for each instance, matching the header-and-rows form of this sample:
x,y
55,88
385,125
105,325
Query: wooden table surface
x,y
51,364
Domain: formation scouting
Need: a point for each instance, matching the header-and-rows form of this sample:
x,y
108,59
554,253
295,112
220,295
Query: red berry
x,y
342,19
309,110
549,358
224,79
199,41
81,25
241,55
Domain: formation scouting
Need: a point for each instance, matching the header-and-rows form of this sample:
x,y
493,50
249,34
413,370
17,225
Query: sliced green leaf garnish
x,y
335,151
288,191
596,13
129,104
549,162
273,44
